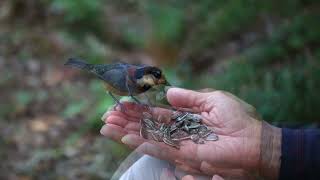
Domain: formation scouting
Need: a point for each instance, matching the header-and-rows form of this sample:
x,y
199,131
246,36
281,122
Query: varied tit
x,y
123,79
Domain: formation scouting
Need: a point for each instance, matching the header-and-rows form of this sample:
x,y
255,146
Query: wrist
x,y
270,151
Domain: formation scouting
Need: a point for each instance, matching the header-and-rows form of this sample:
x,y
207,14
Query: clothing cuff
x,y
291,154
300,154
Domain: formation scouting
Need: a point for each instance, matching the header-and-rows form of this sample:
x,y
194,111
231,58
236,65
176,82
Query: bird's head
x,y
150,76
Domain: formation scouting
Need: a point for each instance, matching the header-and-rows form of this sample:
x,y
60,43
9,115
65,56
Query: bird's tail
x,y
78,63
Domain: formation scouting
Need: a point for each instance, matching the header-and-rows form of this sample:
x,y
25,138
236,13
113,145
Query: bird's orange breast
x,y
115,90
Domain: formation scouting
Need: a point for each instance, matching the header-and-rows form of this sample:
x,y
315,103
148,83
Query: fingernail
x,y
167,174
104,116
129,140
205,166
173,89
166,88
103,130
111,108
126,139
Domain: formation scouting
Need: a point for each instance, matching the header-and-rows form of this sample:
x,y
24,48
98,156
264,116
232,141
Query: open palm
x,y
235,153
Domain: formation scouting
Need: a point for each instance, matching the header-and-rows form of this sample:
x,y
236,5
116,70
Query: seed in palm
x,y
183,126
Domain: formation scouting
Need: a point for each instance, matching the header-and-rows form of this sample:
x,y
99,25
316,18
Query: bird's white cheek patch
x,y
147,79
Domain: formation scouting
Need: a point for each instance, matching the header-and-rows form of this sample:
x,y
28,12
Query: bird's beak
x,y
163,80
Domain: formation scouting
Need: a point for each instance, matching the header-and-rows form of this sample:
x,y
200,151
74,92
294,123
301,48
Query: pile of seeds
x,y
183,126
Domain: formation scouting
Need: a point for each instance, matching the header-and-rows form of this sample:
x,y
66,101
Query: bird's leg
x,y
135,99
117,102
149,102
130,94
140,103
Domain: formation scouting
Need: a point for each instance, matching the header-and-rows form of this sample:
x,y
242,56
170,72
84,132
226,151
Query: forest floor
x,y
43,131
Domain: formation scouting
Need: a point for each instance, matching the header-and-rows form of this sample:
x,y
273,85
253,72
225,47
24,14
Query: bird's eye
x,y
146,87
157,74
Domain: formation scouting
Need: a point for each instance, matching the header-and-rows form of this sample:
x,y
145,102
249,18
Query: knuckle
x,y
218,93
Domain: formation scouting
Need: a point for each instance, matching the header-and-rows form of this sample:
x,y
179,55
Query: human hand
x,y
237,151
189,177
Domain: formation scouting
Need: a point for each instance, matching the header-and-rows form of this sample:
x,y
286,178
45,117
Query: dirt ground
x,y
43,133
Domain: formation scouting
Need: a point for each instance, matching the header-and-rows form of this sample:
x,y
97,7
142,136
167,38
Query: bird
x,y
121,78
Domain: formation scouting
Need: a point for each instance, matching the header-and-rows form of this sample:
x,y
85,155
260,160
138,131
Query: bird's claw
x,y
145,106
123,109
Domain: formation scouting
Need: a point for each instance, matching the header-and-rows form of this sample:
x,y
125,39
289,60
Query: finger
x,y
161,114
217,177
113,131
128,126
186,98
162,151
131,109
106,114
187,177
206,90
132,126
184,170
124,115
225,172
135,112
113,111
127,109
155,149
167,174
157,113
133,132
133,141
116,119
184,167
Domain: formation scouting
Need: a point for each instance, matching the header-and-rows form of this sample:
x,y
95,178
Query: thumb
x,y
187,177
184,98
167,174
217,177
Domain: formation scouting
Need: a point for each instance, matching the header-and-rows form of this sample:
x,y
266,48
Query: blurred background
x,y
267,52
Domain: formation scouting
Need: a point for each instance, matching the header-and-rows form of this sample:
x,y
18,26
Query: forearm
x,y
270,151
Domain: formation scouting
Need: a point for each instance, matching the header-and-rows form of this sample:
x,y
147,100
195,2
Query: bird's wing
x,y
116,78
100,69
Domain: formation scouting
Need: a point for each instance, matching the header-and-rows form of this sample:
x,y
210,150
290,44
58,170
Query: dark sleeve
x,y
300,158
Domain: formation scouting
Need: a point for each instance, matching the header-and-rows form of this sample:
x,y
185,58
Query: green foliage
x,y
287,94
218,21
134,37
280,74
229,18
23,98
302,31
103,102
167,21
94,51
80,16
74,109
39,156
